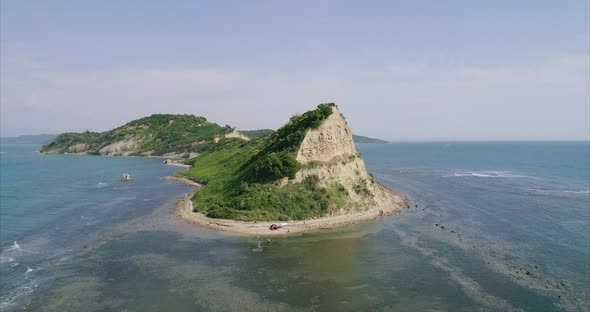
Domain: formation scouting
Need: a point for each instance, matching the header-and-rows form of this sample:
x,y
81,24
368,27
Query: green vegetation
x,y
227,195
277,158
157,134
258,134
71,138
361,188
165,131
267,133
371,178
289,137
343,160
272,167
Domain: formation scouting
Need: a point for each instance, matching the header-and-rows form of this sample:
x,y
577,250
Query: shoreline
x,y
184,211
173,158
177,164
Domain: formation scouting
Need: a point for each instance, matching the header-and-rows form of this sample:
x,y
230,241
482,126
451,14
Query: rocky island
x,y
307,175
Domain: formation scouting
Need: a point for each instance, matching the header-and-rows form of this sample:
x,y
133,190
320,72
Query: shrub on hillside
x,y
274,166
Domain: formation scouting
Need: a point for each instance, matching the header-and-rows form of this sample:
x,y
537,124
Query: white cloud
x,y
549,100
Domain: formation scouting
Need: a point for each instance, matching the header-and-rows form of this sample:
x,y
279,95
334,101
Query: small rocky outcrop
x,y
121,148
238,135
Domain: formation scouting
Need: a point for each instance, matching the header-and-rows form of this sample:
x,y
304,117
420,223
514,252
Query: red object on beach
x,y
274,227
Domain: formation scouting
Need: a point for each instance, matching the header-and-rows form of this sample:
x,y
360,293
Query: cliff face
x,y
329,153
332,139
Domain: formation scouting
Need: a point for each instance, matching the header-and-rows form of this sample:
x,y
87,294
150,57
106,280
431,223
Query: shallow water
x,y
86,241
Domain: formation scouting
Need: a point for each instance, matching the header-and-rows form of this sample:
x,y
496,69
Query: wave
x,y
12,298
577,191
101,185
4,259
14,246
488,174
126,198
564,192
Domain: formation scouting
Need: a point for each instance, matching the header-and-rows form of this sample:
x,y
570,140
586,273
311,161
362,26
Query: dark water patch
x,y
114,272
490,281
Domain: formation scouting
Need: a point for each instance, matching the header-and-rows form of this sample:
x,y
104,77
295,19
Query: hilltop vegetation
x,y
266,133
258,134
166,131
157,134
276,159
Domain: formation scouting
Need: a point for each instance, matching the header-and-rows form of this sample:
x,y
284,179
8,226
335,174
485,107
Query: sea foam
x,y
14,246
488,174
10,299
101,185
4,259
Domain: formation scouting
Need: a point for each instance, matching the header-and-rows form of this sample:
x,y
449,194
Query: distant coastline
x,y
367,140
29,139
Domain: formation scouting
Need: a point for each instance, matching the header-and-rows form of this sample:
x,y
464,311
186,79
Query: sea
x,y
492,226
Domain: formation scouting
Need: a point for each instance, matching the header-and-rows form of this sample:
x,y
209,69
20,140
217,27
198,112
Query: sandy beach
x,y
177,164
184,211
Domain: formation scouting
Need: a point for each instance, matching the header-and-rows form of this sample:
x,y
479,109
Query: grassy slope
x,y
266,133
276,158
258,134
160,132
230,192
225,195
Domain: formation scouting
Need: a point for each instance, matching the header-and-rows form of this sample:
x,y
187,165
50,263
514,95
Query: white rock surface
x,y
329,153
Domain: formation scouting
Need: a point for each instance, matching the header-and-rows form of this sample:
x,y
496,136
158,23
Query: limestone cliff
x,y
329,153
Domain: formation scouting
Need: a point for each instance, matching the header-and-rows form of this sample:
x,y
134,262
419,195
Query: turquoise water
x,y
76,238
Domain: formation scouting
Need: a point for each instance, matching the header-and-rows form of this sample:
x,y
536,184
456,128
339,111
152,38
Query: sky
x,y
398,70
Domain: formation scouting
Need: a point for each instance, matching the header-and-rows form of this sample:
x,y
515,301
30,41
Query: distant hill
x,y
266,133
157,135
258,134
29,139
364,139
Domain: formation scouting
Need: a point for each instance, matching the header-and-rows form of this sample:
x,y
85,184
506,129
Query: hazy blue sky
x,y
399,70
